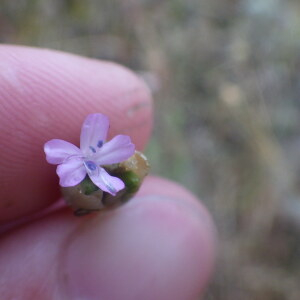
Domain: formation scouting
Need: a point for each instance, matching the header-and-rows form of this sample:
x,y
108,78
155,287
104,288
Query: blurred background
x,y
226,82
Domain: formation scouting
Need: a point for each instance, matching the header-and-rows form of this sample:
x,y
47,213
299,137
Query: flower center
x,y
91,165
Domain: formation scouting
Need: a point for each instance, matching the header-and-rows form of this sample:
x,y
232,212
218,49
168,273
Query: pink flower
x,y
74,163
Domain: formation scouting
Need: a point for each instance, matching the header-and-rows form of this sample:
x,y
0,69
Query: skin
x,y
160,245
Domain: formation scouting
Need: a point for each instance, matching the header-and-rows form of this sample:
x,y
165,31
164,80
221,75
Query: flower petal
x,y
116,150
106,182
57,151
71,173
93,133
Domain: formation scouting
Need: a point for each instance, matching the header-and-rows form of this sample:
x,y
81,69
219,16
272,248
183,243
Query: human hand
x,y
158,246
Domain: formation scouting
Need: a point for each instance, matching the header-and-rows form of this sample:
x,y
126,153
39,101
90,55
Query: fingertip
x,y
171,239
54,89
154,247
47,94
156,185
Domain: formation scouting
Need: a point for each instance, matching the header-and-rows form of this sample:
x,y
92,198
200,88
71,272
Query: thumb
x,y
156,247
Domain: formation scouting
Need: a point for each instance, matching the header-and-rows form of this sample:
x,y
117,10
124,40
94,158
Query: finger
x,y
46,94
155,247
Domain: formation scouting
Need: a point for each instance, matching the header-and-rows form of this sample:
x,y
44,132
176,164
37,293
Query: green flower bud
x,y
86,197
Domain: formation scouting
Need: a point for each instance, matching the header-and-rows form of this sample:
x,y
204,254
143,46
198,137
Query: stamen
x,y
91,165
93,149
100,144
